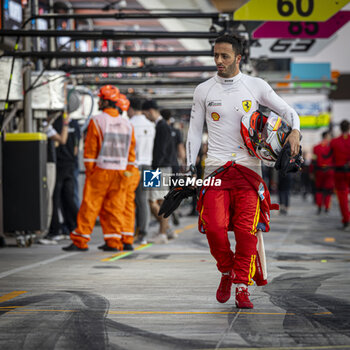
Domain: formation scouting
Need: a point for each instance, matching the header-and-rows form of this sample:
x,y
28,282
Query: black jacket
x,y
164,148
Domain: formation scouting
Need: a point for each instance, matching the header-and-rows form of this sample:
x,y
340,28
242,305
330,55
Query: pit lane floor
x,y
163,296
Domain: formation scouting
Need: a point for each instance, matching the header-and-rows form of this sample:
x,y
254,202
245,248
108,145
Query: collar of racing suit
x,y
111,111
228,81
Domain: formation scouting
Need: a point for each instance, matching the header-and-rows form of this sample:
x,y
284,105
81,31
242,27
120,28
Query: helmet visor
x,y
274,135
270,128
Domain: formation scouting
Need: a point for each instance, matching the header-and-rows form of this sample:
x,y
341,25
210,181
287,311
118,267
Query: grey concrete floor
x,y
163,296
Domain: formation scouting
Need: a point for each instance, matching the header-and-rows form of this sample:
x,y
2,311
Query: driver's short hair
x,y
235,40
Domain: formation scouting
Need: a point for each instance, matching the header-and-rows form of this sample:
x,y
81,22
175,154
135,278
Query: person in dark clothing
x,y
163,156
199,175
179,156
53,137
63,198
284,186
307,179
163,149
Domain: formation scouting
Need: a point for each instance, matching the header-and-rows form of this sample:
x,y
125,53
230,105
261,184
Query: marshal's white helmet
x,y
264,136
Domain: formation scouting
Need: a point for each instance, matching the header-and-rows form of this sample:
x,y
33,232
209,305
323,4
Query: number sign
x,y
307,30
289,10
287,48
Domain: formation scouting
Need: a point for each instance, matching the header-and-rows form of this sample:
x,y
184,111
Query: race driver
x,y
109,147
221,102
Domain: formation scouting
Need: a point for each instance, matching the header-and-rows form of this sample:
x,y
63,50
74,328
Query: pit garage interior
x,y
54,57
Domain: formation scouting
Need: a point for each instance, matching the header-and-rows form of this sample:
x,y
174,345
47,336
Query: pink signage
x,y
304,30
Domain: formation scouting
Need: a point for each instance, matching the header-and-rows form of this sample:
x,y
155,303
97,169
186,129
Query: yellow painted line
x,y
331,347
124,254
13,310
163,312
195,313
11,295
188,227
117,256
329,239
143,246
113,256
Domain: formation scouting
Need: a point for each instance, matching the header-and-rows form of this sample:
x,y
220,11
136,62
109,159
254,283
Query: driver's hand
x,y
294,140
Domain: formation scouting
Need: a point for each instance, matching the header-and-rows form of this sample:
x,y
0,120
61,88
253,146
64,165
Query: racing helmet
x,y
123,103
264,136
251,129
109,92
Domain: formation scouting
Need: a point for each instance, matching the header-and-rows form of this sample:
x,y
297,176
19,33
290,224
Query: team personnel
x,y
128,227
221,102
180,151
324,174
179,155
53,138
340,148
109,147
162,157
144,135
132,180
64,200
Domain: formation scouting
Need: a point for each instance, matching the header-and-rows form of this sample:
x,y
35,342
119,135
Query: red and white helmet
x,y
251,130
264,136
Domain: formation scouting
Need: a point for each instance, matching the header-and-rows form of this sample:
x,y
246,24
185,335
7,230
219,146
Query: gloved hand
x,y
287,164
174,198
193,170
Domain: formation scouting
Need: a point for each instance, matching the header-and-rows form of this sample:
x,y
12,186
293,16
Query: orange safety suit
x,y
128,229
109,147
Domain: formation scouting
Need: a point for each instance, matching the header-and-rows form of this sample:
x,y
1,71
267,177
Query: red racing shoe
x,y
224,291
242,298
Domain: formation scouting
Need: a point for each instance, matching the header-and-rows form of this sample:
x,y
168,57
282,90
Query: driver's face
x,y
227,62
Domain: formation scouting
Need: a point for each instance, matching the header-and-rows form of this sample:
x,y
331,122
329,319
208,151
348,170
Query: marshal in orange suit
x,y
109,147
